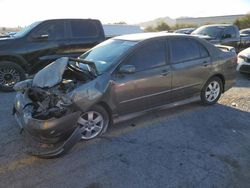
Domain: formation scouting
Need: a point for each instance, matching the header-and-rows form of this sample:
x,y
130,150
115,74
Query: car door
x,y
44,44
149,85
230,37
190,65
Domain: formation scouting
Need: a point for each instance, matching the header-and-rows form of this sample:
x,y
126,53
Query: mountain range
x,y
154,22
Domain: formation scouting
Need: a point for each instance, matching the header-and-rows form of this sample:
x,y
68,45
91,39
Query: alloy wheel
x,y
9,77
91,123
212,91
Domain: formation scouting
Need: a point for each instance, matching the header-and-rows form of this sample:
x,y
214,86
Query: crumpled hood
x,y
52,74
245,53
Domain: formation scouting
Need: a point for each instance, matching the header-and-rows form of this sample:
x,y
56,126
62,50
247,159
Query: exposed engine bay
x,y
45,103
50,86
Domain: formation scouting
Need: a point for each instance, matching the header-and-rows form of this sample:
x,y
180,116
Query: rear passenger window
x,y
183,49
230,31
81,29
149,56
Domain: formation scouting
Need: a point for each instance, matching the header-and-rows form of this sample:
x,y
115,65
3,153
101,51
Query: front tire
x,y
10,74
211,91
93,122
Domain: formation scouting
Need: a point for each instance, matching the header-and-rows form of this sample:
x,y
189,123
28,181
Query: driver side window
x,y
54,30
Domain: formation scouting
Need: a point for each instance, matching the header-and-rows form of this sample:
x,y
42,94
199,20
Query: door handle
x,y
205,63
165,72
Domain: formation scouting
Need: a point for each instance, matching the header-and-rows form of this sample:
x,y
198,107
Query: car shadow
x,y
196,110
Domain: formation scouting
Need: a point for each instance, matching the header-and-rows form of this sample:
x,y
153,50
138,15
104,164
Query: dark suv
x,y
224,34
34,47
119,79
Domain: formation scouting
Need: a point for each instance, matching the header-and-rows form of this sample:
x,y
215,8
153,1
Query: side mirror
x,y
227,36
41,37
127,69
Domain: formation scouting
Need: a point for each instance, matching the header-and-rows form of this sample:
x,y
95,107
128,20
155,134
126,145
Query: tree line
x,y
242,23
163,26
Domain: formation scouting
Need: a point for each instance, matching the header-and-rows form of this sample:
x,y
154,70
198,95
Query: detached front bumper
x,y
51,131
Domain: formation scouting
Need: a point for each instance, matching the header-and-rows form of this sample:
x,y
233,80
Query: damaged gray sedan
x,y
123,77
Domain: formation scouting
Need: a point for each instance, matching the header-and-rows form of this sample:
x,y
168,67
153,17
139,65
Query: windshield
x,y
212,31
26,30
106,53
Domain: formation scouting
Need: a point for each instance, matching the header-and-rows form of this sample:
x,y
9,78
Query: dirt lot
x,y
239,96
188,146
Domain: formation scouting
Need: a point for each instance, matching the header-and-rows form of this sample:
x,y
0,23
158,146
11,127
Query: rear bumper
x,y
230,79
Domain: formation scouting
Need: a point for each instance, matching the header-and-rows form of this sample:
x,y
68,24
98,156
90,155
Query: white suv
x,y
244,61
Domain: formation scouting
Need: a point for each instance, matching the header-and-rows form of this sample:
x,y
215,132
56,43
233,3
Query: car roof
x,y
189,28
145,36
68,19
218,25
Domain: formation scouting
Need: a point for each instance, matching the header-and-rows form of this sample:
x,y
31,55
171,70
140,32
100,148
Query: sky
x,y
23,12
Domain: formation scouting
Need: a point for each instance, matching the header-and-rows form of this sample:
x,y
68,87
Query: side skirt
x,y
126,117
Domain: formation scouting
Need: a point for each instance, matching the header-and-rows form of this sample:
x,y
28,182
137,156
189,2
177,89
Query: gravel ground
x,y
187,146
238,96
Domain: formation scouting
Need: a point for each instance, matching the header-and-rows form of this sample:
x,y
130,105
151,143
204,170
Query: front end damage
x,y
48,106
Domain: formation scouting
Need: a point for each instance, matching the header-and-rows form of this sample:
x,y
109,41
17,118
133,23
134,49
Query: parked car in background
x,y
224,34
245,37
42,42
245,32
244,61
118,79
113,30
185,30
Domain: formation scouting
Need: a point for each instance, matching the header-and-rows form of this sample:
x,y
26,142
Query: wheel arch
x,y
16,59
107,108
222,79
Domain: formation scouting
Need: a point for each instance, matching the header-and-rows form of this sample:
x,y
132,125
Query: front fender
x,y
90,93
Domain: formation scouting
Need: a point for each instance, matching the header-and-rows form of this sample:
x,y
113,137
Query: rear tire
x,y
211,91
10,74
